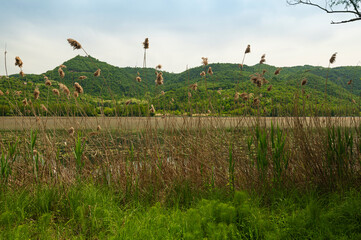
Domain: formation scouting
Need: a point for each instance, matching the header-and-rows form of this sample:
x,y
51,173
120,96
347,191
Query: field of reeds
x,y
186,177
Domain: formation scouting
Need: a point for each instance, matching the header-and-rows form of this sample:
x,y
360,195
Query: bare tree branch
x,y
328,8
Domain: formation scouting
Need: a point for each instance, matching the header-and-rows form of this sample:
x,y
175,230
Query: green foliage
x,y
78,153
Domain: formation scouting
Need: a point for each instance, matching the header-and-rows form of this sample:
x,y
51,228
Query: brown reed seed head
x,y
248,49
17,93
263,59
45,77
75,44
304,81
65,89
56,91
22,74
256,101
210,72
128,102
162,92
62,66
189,94
158,67
78,88
152,109
75,94
71,131
47,82
146,43
97,73
244,96
43,107
349,82
18,62
25,102
36,93
138,79
82,77
203,73
333,58
159,79
7,92
236,96
219,92
194,86
278,71
1,93
353,101
99,128
61,72
204,61
269,88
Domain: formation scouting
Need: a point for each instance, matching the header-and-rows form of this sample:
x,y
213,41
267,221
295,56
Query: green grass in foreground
x,y
92,212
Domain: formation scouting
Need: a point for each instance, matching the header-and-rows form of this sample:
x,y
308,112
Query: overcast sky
x,y
180,33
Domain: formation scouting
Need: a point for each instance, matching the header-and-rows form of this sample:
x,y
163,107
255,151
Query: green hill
x,y
215,92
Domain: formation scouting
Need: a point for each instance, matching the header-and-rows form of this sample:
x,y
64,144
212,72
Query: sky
x,y
180,33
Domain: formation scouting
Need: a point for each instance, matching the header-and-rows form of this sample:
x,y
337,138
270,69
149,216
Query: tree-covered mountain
x,y
216,93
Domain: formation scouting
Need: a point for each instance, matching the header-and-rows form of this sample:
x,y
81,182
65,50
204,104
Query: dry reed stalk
x,y
25,102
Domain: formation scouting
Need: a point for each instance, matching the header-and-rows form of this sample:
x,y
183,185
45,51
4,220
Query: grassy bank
x,y
88,211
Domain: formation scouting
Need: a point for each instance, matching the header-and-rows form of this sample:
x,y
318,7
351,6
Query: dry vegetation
x,y
156,155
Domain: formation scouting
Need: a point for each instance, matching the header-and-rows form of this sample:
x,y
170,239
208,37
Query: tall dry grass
x,y
160,155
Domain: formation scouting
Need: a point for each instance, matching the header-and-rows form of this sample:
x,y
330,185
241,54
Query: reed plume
x,y
210,72
25,102
162,92
1,93
78,88
204,61
62,66
64,88
76,94
194,86
158,67
61,72
152,109
44,108
263,59
333,58
22,74
277,71
56,91
159,79
97,73
71,131
82,77
47,82
145,46
138,79
18,62
303,82
36,93
75,44
203,73
248,49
